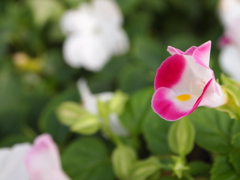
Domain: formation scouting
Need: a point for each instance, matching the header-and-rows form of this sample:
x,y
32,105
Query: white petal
x,y
12,162
230,61
117,40
107,10
193,79
43,161
88,99
116,125
88,51
79,20
213,99
105,96
229,10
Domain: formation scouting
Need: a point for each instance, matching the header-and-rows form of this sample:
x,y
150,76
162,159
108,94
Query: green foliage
x,y
223,170
214,124
136,109
87,158
154,131
48,121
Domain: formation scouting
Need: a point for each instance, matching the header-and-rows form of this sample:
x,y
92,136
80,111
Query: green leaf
x,y
48,120
130,75
155,130
128,6
214,129
222,170
181,137
87,158
199,168
150,52
234,157
136,109
14,139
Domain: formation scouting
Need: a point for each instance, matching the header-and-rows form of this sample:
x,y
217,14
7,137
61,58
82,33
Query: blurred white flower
x,y
90,104
39,161
94,33
229,12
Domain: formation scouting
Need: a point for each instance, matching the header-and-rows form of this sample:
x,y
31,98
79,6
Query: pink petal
x,y
167,107
202,54
173,50
190,50
170,72
42,160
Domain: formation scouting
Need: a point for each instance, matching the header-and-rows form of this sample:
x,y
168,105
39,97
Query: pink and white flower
x,y
39,161
184,81
229,12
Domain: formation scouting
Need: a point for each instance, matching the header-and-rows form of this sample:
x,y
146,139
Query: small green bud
x,y
123,158
118,101
103,108
146,169
181,137
86,125
69,112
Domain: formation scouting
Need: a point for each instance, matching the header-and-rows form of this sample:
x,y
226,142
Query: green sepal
x,y
231,89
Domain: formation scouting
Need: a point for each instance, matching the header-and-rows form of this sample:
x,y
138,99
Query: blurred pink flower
x,y
229,12
94,34
39,161
184,81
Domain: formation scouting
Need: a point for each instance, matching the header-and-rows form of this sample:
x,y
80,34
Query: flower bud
x,y
69,112
145,169
181,137
86,125
123,158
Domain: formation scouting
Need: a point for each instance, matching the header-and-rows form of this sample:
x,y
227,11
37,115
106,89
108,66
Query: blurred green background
x,y
34,79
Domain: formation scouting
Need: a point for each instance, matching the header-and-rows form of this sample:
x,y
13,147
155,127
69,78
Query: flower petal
x,y
42,160
170,72
230,61
116,125
88,51
167,106
108,10
173,50
12,162
202,54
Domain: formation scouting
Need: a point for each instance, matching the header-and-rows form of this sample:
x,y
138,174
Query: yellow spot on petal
x,y
183,97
